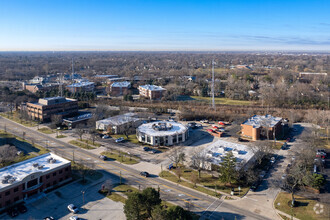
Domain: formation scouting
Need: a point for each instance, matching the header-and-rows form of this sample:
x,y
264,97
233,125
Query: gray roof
x,y
153,87
119,119
121,84
262,120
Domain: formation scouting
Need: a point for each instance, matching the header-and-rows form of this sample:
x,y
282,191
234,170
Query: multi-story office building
x,y
45,108
151,91
119,88
30,177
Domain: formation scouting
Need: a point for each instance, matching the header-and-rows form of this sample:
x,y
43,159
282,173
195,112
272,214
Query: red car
x,y
221,123
209,130
214,126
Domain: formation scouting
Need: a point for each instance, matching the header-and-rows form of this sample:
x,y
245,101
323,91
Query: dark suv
x,y
146,174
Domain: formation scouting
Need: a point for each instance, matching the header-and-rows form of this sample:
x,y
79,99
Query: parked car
x,y
119,139
284,146
74,217
12,212
49,218
105,137
146,148
284,176
216,127
209,130
22,208
103,157
321,152
145,174
72,208
204,121
272,160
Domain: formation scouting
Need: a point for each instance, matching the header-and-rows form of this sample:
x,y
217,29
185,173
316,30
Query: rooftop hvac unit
x,y
41,167
11,180
7,177
4,181
35,164
52,161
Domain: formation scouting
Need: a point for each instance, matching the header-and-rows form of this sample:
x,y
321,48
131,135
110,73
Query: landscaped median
x,y
118,192
206,183
85,145
121,157
305,209
46,130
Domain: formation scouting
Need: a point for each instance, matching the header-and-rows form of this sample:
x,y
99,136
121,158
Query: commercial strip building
x,y
119,123
46,107
265,126
72,122
162,133
151,91
217,150
84,86
119,88
33,176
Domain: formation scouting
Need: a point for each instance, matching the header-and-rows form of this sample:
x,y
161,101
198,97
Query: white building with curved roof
x,y
162,133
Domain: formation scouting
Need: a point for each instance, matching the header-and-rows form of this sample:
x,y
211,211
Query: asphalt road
x,y
171,192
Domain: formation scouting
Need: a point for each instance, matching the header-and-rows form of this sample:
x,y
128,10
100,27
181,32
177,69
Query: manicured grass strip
x,y
224,101
122,157
81,145
89,142
15,117
304,209
169,176
60,136
125,189
46,130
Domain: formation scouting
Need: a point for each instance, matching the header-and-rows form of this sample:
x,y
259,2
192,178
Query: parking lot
x,y
91,204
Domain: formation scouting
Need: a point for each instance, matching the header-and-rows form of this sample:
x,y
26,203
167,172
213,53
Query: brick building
x,y
119,88
22,180
257,127
46,107
151,91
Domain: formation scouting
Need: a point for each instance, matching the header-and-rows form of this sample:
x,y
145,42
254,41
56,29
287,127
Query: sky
x,y
164,25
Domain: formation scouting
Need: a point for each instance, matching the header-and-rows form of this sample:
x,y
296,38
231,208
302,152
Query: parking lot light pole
x,y
83,193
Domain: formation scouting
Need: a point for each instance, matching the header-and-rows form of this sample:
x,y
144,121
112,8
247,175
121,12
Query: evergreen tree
x,y
227,169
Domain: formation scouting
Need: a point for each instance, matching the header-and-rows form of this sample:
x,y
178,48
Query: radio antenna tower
x,y
72,70
212,88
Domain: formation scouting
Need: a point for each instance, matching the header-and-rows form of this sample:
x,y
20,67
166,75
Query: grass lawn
x,y
89,142
125,158
303,211
39,150
46,130
81,145
169,176
224,101
89,174
60,136
131,138
125,189
206,180
15,117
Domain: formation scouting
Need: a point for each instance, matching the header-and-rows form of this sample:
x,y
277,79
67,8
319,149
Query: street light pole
x,y
83,193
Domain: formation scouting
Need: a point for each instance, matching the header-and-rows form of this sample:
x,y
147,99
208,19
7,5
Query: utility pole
x,y
212,88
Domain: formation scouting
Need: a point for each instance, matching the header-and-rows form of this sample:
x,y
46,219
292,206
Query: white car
x,y
119,139
105,137
74,218
72,208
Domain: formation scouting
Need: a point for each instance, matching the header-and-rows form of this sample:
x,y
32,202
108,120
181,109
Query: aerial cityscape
x,y
164,110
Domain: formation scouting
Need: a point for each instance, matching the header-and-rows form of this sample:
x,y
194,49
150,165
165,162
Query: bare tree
x,y
79,130
177,155
194,179
7,154
178,172
93,134
56,120
199,161
262,149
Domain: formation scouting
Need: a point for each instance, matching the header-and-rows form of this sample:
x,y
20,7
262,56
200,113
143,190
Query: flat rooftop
x,y
153,87
81,84
106,76
119,119
261,120
19,171
217,150
149,129
121,84
52,101
78,118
